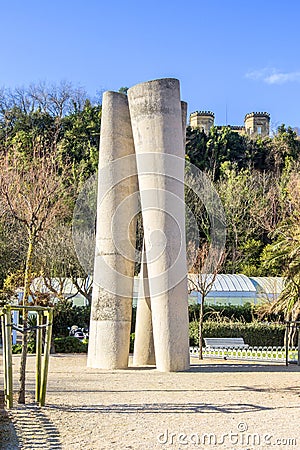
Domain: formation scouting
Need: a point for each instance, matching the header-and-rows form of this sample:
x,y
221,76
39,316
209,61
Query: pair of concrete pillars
x,y
141,159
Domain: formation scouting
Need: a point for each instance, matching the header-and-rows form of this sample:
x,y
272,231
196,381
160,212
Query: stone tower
x,y
203,120
257,123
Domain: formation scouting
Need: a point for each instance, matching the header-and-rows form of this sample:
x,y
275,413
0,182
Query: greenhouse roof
x,y
236,284
268,285
225,282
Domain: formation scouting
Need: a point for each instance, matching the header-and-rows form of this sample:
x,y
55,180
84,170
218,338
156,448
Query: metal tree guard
x,y
42,358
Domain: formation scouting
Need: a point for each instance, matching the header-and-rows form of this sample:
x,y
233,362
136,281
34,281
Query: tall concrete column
x,y
143,343
156,117
115,238
144,353
183,123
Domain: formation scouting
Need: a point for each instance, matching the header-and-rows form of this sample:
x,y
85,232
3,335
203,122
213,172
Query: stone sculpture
x,y
142,145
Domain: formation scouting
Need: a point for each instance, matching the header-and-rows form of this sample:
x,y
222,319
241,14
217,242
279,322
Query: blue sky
x,y
243,56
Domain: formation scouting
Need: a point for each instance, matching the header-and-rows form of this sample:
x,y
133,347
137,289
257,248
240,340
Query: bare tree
x,y
57,262
55,99
33,194
200,281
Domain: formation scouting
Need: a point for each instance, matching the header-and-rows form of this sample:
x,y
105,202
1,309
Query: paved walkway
x,y
217,404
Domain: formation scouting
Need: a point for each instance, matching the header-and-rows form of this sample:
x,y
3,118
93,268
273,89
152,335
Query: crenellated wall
x,y
255,123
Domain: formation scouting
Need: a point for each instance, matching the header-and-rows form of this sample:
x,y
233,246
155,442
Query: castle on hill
x,y
255,123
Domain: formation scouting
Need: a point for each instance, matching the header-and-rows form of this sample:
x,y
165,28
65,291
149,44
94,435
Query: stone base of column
x,y
114,338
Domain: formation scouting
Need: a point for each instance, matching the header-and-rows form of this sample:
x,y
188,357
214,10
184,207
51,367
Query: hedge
x,y
66,315
70,344
254,334
241,313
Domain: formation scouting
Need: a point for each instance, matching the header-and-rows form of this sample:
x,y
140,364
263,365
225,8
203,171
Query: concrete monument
x,y
153,129
113,272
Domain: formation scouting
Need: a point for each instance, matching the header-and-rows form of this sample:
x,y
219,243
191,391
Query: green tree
x,y
79,144
196,141
209,152
283,147
285,252
123,90
31,118
238,190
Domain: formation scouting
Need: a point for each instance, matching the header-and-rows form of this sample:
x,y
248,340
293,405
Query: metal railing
x,y
273,354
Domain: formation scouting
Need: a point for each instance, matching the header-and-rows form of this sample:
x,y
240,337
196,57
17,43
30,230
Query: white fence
x,y
276,354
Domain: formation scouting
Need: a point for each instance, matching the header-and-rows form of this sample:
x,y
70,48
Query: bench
x,y
225,343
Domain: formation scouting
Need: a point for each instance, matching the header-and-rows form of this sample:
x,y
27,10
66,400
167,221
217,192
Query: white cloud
x,y
280,78
257,74
273,76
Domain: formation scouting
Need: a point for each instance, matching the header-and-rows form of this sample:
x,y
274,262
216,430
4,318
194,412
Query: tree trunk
x,y
27,274
293,333
201,328
21,398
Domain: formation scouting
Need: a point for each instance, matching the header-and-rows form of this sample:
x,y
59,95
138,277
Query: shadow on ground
x,y
290,389
295,390
162,408
27,427
240,368
8,435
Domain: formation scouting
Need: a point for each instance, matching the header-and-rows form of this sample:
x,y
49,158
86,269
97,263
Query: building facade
x,y
255,123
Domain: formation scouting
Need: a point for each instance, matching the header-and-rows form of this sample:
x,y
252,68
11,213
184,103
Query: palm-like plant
x,y
286,251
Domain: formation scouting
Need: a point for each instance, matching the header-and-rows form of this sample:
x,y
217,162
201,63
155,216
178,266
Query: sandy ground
x,y
217,404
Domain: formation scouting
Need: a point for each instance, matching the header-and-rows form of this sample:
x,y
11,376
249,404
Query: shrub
x,y
241,313
132,336
70,344
254,334
133,319
17,348
66,315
